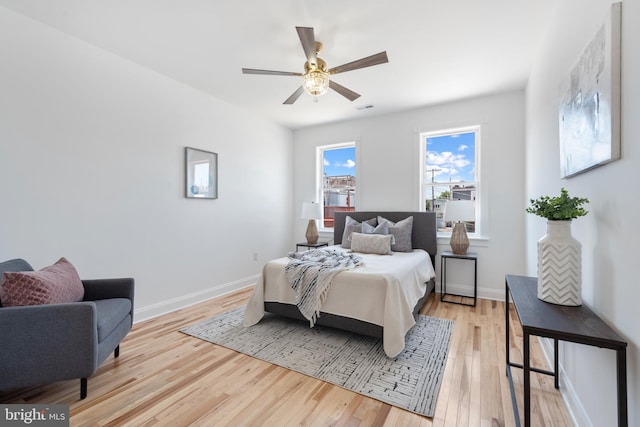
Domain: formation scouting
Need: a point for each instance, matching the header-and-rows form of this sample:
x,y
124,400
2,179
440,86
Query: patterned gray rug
x,y
410,381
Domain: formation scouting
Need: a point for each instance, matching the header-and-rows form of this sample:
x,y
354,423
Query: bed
x,y
370,300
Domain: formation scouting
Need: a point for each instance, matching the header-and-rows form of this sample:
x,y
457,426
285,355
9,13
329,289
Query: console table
x,y
574,324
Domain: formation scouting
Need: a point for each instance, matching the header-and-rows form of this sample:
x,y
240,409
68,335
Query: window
x,y
338,180
449,171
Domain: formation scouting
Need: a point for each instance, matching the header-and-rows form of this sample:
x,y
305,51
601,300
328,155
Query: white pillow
x,y
379,244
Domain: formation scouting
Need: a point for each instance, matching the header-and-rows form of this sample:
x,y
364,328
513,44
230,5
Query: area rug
x,y
409,381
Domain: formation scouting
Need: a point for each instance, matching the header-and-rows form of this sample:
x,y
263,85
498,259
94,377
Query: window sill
x,y
443,239
477,241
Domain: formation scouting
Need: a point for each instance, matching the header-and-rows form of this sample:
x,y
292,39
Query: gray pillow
x,y
401,230
371,243
382,228
351,226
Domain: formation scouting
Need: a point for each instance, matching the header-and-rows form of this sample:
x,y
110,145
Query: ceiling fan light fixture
x,y
315,79
316,82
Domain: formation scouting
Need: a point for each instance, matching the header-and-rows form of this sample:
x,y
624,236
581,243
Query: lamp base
x,y
459,240
312,232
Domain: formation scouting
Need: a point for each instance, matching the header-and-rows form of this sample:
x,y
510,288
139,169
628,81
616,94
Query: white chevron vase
x,y
560,265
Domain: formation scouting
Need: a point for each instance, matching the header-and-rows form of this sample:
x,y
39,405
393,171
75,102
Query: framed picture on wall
x,y
589,113
201,174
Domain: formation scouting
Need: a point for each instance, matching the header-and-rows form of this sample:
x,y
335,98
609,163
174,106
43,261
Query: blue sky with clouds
x,y
340,161
451,157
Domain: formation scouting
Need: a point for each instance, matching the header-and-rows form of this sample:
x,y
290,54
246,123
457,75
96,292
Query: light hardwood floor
x,y
164,377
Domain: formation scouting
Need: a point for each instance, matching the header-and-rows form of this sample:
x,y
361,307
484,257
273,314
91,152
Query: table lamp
x,y
458,211
311,211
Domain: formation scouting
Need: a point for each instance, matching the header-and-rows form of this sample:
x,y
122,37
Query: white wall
x,y
609,234
388,174
92,168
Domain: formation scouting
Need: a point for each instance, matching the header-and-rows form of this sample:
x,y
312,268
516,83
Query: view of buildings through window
x,y
338,180
449,172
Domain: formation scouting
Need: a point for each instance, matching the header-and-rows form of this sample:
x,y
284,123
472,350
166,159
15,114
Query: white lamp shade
x,y
459,210
311,210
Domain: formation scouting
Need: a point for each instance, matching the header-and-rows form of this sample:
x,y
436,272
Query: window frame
x,y
423,185
320,173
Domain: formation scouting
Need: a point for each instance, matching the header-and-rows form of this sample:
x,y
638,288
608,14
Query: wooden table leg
x,y
527,379
621,367
556,374
506,322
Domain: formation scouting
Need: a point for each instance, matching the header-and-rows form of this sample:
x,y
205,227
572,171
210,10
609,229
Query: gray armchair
x,y
46,343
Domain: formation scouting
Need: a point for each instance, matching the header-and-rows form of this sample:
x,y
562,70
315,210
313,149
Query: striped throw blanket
x,y
310,274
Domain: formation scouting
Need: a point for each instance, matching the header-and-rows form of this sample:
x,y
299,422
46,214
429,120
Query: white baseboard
x,y
467,290
574,406
155,310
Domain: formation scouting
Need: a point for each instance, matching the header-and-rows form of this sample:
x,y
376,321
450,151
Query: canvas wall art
x,y
589,110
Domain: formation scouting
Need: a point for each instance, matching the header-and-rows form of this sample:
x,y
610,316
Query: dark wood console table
x,y
574,324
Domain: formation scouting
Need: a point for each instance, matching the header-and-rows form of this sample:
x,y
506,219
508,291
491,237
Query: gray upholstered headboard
x,y
424,227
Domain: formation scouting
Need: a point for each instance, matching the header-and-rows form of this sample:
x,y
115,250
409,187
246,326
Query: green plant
x,y
559,208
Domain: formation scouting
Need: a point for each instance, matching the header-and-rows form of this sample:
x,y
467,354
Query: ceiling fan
x,y
316,75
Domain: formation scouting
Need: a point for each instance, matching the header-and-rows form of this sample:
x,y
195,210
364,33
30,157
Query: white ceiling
x,y
439,50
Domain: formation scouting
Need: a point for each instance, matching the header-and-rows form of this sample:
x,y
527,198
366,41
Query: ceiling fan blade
x,y
347,93
294,97
378,58
269,72
308,41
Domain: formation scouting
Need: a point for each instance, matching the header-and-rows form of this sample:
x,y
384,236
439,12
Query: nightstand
x,y
311,245
443,276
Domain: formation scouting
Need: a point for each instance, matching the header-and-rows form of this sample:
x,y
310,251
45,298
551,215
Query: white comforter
x,y
383,292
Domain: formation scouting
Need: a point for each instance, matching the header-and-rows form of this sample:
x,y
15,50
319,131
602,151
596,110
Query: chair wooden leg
x,y
83,388
116,352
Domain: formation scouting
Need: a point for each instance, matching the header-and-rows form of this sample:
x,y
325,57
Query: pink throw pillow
x,y
58,283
